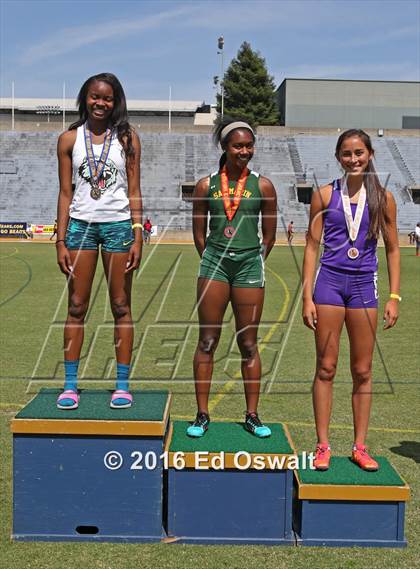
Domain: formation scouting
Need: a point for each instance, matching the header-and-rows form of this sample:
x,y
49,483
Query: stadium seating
x,y
171,159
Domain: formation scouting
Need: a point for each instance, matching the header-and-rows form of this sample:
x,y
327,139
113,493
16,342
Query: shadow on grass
x,y
409,449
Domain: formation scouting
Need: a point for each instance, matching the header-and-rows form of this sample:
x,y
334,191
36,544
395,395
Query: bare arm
x,y
393,261
135,200
200,210
64,153
268,214
315,229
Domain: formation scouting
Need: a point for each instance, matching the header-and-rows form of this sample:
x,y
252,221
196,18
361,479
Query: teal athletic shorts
x,y
243,269
114,236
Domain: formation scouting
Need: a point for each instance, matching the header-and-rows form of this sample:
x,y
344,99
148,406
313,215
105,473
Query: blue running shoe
x,y
200,425
254,426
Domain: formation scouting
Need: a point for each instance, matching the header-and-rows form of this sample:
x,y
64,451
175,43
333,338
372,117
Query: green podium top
x,y
148,415
345,480
233,441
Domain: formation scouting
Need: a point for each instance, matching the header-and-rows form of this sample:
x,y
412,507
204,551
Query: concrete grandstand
x,y
173,162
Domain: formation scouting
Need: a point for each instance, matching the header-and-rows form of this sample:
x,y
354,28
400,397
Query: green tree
x,y
249,89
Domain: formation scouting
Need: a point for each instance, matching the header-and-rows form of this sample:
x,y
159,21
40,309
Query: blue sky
x,y
151,45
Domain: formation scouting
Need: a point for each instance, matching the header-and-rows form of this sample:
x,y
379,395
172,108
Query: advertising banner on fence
x,y
13,229
37,229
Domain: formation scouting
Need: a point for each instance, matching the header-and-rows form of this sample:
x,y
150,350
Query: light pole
x,y
13,105
64,106
221,45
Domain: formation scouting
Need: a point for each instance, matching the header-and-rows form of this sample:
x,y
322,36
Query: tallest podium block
x,y
90,474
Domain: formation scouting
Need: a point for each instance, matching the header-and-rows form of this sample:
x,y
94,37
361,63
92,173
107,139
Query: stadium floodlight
x,y
221,45
48,110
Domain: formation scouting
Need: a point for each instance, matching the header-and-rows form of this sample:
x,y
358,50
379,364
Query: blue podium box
x,y
346,506
93,474
223,488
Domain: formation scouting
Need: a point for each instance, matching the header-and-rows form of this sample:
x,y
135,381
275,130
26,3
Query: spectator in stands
x,y
103,151
54,230
147,230
351,213
232,265
290,233
417,232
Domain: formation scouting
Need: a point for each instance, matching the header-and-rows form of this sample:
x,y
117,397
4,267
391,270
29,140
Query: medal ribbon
x,y
96,168
232,207
353,225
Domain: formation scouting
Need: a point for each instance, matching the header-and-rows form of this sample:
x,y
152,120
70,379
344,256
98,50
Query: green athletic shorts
x,y
243,269
113,236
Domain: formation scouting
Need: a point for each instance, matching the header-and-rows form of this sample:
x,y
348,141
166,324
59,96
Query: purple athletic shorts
x,y
341,288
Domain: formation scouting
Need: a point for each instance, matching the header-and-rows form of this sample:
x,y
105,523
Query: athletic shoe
x,y
254,426
200,425
361,457
322,456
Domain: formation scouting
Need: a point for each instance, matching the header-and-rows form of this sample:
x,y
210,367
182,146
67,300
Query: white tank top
x,y
113,205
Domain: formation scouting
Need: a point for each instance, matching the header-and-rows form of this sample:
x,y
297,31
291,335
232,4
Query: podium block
x,y
90,474
346,506
229,486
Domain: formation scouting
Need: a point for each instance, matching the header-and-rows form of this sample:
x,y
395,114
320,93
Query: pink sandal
x,y
121,399
68,395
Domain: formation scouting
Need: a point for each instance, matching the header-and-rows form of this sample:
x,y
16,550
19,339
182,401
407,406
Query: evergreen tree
x,y
249,89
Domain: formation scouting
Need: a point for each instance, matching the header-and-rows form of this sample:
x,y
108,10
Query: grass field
x,y
32,310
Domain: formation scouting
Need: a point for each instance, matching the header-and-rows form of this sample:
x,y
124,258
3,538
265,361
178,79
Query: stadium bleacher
x,y
172,159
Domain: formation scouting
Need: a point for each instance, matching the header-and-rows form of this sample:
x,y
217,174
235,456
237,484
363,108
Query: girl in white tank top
x,y
101,153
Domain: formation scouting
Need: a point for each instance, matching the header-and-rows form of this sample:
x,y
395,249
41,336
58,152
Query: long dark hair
x,y
119,116
217,131
375,193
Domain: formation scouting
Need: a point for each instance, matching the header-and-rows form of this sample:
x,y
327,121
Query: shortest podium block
x,y
346,506
90,474
230,487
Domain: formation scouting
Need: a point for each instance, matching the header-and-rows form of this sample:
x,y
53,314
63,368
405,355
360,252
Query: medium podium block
x,y
347,506
90,474
229,486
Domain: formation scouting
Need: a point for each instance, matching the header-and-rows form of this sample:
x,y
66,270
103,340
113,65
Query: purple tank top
x,y
337,242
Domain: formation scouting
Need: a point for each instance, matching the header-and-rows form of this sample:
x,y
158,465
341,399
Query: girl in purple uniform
x,y
351,212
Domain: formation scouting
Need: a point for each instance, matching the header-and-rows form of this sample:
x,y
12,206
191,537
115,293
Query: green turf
x,y
32,310
94,405
230,437
343,471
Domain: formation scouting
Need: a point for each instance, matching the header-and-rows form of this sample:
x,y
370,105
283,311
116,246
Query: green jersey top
x,y
241,233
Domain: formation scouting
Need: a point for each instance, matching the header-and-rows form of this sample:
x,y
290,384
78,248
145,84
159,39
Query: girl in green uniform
x,y
232,265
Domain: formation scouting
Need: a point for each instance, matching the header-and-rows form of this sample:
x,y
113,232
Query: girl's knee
x,y
248,348
120,307
77,307
208,344
326,370
361,372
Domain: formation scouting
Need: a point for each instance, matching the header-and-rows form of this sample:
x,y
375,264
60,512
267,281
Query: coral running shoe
x,y
361,457
322,457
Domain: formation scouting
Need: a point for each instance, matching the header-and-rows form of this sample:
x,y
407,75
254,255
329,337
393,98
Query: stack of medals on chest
x,y
96,168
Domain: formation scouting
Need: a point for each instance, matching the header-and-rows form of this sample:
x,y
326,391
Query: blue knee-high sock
x,y
70,368
122,376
